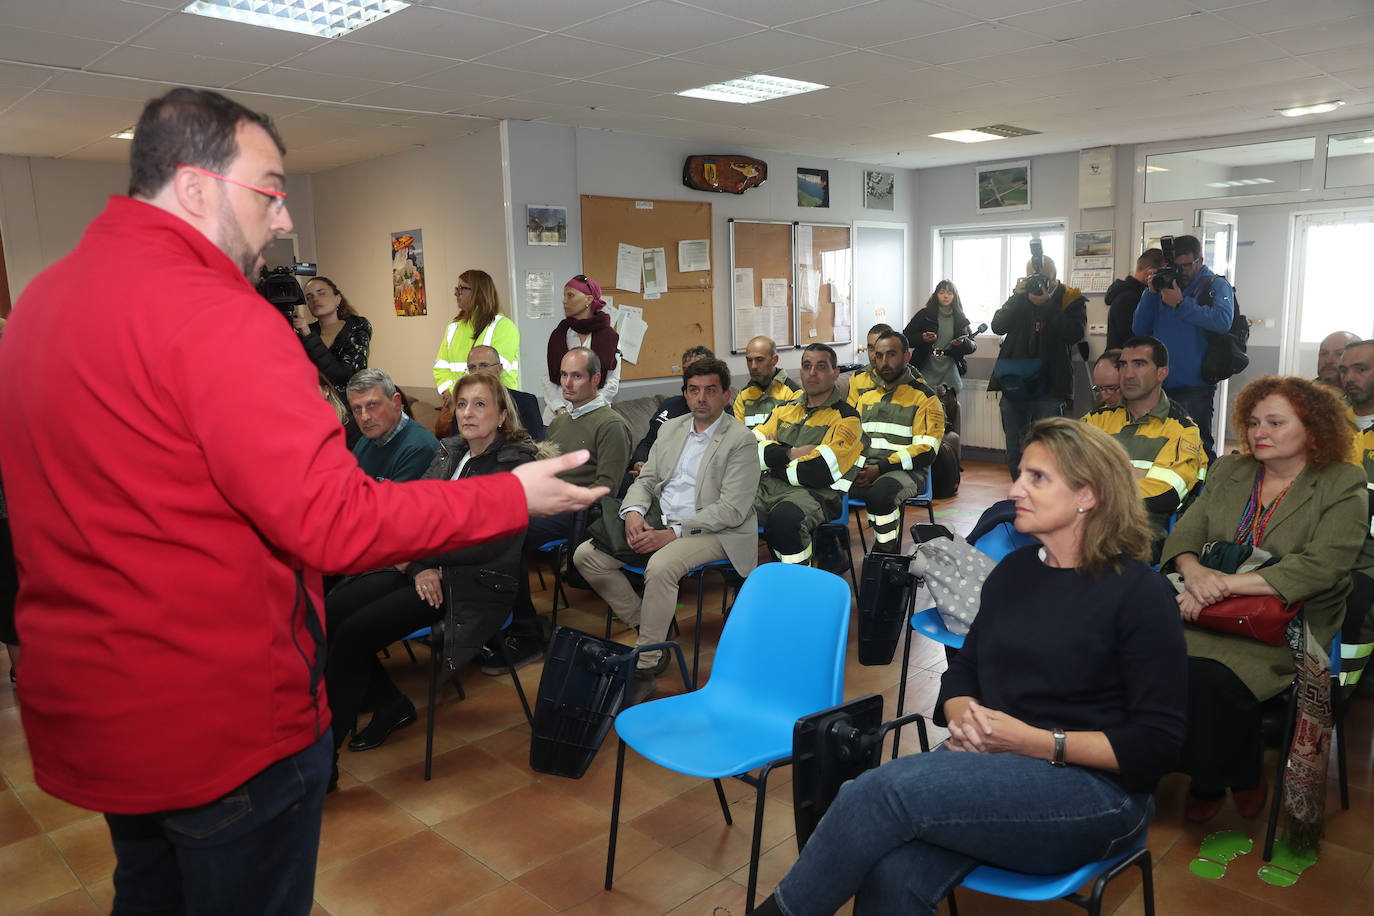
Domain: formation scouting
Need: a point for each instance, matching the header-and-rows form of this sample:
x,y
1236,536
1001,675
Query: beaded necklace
x,y
1256,517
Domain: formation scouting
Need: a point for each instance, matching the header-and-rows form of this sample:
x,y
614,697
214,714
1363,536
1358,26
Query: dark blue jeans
x,y
901,836
251,851
1200,402
1017,417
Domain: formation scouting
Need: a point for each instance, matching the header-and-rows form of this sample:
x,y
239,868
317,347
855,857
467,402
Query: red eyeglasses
x,y
277,198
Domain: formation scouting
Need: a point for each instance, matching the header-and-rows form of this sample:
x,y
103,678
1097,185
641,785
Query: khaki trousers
x,y
664,571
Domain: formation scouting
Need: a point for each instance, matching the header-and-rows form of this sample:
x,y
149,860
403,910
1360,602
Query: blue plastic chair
x,y
556,550
1017,886
926,500
839,528
781,657
724,567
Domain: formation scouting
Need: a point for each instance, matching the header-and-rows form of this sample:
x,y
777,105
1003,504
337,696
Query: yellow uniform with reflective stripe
x,y
833,428
753,405
451,363
1165,448
903,423
860,383
1362,455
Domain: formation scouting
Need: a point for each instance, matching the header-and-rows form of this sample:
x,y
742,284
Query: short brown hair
x,y
1319,409
708,366
1150,257
189,126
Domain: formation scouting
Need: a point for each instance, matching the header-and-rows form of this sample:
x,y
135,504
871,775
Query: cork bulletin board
x,y
761,251
825,283
681,317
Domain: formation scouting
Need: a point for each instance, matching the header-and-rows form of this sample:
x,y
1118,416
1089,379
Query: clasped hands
x,y
643,538
988,731
1203,586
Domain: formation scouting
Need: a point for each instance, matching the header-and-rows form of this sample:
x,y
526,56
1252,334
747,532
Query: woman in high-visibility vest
x,y
479,322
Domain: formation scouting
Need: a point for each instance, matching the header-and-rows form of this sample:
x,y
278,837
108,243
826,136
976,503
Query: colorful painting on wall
x,y
408,273
813,187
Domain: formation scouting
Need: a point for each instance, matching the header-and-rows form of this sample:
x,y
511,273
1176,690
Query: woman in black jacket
x,y
338,339
941,338
371,611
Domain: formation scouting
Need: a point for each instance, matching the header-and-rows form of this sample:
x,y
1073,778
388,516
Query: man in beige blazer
x,y
692,503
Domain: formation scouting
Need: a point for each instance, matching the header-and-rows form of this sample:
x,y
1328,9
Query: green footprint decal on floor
x,y
1287,866
1217,850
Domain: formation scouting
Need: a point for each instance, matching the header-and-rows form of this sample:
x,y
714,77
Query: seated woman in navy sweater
x,y
1076,659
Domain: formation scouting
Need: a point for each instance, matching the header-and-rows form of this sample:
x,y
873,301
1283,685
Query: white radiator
x,y
980,417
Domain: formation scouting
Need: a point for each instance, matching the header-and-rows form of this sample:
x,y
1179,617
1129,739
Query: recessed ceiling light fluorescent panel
x,y
982,134
323,18
749,89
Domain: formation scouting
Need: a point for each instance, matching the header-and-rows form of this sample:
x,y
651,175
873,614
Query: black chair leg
x,y
615,812
901,687
696,635
1290,721
761,789
860,522
515,677
724,805
435,663
1338,726
409,651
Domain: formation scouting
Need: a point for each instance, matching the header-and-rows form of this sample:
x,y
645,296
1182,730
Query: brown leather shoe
x,y
1201,810
1250,802
643,686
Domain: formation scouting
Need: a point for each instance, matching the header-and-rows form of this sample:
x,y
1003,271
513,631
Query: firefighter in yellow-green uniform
x,y
808,452
1357,633
1162,441
865,379
903,422
768,386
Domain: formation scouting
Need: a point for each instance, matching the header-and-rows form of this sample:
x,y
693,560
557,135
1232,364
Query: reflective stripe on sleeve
x,y
1170,477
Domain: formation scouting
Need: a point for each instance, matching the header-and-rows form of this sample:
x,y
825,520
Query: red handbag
x,y
1261,617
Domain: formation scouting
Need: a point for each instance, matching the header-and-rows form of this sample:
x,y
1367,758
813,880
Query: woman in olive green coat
x,y
1290,493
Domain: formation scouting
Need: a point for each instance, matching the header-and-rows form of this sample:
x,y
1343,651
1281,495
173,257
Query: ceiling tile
x,y
350,115
80,18
828,103
1326,36
1027,64
775,12
302,84
1277,15
583,94
521,110
937,83
969,43
1201,31
762,51
30,46
346,58
661,27
103,150
486,80
565,56
417,98
668,74
224,39
44,110
269,105
1237,52
107,87
882,21
17,75
1003,9
850,68
1095,17
173,67
441,33
1359,77
536,14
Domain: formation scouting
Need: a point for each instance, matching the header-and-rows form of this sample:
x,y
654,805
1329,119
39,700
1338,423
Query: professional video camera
x,y
279,287
1037,282
1168,274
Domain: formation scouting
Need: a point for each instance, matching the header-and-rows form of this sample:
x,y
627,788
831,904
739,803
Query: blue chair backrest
x,y
783,645
1002,540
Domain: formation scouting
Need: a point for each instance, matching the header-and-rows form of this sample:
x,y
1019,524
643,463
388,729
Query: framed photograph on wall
x,y
878,187
546,225
1003,187
813,187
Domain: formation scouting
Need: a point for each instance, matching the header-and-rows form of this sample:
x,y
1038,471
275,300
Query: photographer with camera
x,y
1170,310
338,339
1041,321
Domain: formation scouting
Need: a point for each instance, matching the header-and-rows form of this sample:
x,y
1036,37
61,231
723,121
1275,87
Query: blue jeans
x,y
1017,417
251,851
1200,402
902,836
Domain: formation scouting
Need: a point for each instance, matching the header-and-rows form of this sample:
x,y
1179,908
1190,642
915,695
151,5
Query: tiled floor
x,y
490,836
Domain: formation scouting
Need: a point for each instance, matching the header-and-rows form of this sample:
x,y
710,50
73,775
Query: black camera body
x,y
1167,275
279,287
1037,282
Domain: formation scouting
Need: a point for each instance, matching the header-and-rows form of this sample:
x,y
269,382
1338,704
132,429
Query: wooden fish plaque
x,y
727,174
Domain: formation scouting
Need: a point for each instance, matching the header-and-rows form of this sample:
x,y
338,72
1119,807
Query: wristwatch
x,y
1059,737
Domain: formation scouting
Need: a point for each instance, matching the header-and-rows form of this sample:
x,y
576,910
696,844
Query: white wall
x,y
551,164
452,191
45,205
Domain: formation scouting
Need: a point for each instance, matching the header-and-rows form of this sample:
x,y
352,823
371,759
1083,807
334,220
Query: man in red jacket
x,y
169,601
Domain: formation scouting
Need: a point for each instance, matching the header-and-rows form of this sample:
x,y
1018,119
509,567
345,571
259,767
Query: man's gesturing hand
x,y
545,494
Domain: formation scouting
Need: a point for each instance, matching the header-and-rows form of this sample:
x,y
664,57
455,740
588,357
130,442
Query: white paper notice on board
x,y
693,254
744,288
629,264
539,293
804,245
655,272
777,323
810,291
632,329
774,293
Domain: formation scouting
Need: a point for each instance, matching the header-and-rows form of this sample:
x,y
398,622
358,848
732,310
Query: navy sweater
x,y
1055,648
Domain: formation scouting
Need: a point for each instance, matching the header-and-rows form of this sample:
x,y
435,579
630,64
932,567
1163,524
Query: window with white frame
x,y
985,263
